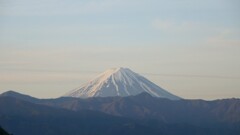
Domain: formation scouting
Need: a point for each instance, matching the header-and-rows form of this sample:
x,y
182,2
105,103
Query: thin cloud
x,y
56,7
174,26
225,37
194,76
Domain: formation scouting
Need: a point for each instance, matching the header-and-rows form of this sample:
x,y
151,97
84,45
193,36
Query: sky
x,y
191,48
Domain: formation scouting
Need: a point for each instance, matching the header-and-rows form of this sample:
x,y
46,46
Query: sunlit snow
x,y
119,82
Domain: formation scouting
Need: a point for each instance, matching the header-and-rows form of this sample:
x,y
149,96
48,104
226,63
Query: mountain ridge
x,y
165,116
145,106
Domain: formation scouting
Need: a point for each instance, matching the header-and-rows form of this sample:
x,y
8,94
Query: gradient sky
x,y
189,47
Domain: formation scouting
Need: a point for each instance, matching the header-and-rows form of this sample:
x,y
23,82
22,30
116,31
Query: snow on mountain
x,y
119,82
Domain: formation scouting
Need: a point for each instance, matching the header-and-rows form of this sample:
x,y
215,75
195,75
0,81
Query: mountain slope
x,y
25,118
141,113
119,82
144,106
17,95
3,132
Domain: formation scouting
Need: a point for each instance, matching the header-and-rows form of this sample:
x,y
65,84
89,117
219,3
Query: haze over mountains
x,y
119,82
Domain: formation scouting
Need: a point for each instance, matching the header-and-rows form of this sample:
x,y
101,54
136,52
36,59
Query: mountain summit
x,y
119,82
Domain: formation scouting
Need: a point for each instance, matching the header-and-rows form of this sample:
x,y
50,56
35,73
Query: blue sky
x,y
189,47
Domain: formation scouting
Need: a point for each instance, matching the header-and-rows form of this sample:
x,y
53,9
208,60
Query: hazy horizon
x,y
190,48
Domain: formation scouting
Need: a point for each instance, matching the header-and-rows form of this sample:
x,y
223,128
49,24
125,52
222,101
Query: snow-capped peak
x,y
119,82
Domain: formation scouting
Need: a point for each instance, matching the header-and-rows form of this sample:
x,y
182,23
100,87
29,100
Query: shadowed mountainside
x,y
25,118
157,115
3,132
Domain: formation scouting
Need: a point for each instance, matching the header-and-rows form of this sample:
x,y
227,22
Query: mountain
x,y
17,95
119,82
144,106
140,114
25,118
3,132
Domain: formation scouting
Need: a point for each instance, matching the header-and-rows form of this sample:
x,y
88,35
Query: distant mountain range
x,y
119,82
140,114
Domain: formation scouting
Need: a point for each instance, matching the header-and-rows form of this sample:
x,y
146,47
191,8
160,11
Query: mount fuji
x,y
119,82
